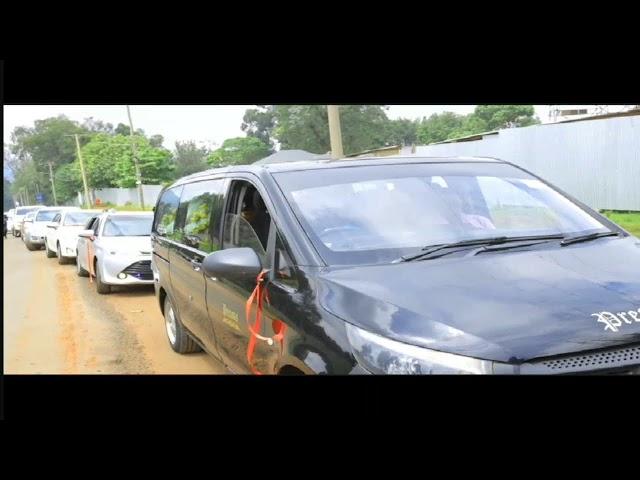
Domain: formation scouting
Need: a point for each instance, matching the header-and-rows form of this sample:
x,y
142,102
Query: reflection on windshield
x,y
128,226
405,213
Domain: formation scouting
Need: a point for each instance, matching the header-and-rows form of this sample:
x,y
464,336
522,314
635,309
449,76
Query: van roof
x,y
339,163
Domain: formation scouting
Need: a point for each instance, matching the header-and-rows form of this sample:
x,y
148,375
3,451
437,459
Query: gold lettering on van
x,y
230,317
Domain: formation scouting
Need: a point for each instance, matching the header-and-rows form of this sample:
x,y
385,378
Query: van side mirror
x,y
232,264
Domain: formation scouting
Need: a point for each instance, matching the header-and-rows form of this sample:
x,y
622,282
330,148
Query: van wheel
x,y
50,253
31,247
79,270
101,287
179,339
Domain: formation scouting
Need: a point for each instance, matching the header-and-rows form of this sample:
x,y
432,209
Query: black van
x,y
394,266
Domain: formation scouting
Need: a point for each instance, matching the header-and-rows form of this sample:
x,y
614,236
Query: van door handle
x,y
196,265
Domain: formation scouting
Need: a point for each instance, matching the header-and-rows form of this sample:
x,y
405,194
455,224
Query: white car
x,y
19,215
10,214
61,238
37,229
115,248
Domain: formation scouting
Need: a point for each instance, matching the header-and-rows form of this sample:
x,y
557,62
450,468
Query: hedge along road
x,y
56,323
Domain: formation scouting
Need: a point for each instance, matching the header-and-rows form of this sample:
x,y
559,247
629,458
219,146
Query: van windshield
x,y
374,214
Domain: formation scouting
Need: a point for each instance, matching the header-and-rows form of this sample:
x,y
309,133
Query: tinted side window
x,y
285,269
165,216
198,216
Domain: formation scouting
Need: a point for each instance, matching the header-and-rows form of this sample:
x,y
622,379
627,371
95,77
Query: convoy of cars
x,y
394,265
113,247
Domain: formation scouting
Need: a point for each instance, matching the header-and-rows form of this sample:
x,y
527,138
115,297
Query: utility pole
x,y
53,185
87,200
135,161
334,131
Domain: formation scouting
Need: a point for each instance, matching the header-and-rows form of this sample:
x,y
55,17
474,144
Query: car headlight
x,y
380,355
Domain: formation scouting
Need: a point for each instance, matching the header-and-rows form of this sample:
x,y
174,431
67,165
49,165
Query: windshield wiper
x,y
429,250
588,237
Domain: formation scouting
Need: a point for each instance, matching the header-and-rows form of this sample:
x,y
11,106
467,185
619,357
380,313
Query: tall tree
x,y
46,141
402,131
306,127
109,162
505,116
438,127
238,151
189,158
259,123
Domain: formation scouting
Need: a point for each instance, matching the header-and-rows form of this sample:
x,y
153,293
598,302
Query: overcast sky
x,y
209,124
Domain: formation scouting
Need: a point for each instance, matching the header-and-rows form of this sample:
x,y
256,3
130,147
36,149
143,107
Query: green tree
x,y
189,158
505,116
46,141
156,166
259,123
402,131
68,181
439,127
238,151
306,127
109,161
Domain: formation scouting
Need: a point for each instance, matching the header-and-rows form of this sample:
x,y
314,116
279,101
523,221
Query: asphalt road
x,y
56,323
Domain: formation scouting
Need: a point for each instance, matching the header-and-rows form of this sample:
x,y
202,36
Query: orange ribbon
x,y
258,295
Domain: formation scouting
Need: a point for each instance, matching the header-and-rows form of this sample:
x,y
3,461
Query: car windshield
x,y
24,211
128,226
46,215
374,214
78,218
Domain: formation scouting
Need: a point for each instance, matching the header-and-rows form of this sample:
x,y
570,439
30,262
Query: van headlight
x,y
379,355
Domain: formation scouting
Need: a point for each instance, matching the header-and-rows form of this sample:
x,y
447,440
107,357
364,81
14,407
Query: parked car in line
x,y
34,237
26,223
61,239
115,248
19,217
394,266
10,215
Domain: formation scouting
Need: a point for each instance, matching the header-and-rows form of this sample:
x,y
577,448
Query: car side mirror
x,y
86,234
232,264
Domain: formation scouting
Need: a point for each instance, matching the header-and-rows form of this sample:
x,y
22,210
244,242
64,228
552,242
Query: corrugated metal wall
x,y
596,161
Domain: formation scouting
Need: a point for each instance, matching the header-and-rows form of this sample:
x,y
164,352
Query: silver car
x,y
115,249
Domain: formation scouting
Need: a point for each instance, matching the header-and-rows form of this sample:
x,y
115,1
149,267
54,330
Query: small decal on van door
x,y
230,317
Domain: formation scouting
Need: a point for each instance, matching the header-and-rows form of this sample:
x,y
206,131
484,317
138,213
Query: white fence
x,y
596,161
121,196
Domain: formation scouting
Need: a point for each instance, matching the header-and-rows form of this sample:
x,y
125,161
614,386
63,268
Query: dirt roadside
x,y
56,323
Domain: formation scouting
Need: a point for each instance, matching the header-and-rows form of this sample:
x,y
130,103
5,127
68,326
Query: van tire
x,y
101,287
31,247
181,341
50,253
